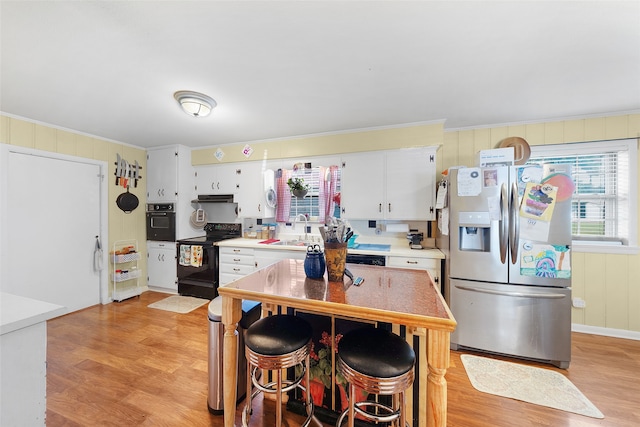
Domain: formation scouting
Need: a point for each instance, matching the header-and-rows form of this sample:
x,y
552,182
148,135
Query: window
x,y
604,202
322,200
308,205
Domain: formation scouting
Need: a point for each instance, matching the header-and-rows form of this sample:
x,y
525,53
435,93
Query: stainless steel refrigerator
x,y
506,233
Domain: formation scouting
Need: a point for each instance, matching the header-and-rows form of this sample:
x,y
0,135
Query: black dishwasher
x,y
366,259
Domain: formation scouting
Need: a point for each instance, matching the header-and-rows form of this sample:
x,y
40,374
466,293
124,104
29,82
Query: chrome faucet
x,y
306,224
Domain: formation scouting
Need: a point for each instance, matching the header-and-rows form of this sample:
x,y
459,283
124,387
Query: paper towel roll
x,y
397,228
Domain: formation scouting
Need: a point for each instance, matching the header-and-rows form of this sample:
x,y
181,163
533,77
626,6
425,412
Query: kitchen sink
x,y
290,243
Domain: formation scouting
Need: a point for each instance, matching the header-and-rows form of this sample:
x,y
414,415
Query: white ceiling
x,y
281,69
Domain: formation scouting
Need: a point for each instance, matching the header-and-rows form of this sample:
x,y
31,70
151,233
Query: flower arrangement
x,y
297,184
320,362
320,372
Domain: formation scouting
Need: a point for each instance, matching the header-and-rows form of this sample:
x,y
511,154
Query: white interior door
x,y
52,217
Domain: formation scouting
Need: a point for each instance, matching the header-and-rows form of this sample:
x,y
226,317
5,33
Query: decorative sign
x,y
219,154
542,260
247,151
536,211
539,201
469,182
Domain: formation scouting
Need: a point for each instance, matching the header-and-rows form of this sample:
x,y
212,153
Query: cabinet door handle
x,y
380,207
512,294
236,250
389,207
259,208
158,257
236,260
412,262
237,270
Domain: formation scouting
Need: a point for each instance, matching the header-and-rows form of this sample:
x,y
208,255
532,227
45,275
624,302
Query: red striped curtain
x,y
328,183
283,196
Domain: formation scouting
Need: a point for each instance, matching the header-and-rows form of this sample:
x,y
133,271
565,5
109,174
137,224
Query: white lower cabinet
x,y
265,257
161,266
432,265
235,262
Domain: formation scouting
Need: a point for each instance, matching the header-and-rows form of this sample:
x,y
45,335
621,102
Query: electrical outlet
x,y
579,303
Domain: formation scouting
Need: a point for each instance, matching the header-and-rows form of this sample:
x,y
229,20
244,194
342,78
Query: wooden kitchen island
x,y
393,295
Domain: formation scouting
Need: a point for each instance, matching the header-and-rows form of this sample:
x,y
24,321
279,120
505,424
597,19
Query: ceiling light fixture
x,y
195,104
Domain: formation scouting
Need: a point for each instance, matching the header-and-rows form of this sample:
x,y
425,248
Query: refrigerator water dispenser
x,y
475,231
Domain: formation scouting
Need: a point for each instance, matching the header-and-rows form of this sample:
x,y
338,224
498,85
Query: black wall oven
x,y
161,222
198,260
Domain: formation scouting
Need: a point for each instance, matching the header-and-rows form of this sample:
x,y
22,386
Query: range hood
x,y
214,198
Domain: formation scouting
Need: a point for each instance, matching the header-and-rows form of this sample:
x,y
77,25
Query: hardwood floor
x,y
124,364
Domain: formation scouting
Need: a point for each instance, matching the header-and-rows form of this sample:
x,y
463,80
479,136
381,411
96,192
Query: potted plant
x,y
298,187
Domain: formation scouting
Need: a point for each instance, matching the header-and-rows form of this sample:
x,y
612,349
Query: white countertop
x,y
18,312
399,247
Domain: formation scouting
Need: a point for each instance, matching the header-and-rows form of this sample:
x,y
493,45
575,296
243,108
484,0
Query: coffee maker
x,y
415,239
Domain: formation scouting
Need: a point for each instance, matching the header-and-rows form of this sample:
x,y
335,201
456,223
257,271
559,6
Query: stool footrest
x,y
271,387
388,416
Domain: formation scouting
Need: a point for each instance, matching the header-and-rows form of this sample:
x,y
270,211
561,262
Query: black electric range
x,y
199,276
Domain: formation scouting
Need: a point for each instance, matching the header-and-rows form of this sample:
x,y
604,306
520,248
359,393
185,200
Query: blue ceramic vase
x,y
314,264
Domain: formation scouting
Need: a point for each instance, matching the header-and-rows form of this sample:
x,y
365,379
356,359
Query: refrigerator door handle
x,y
514,224
504,209
511,294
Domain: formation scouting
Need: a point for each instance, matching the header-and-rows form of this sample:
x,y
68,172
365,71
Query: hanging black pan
x,y
127,202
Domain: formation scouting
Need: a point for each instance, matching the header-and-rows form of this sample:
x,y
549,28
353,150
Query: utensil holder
x,y
336,258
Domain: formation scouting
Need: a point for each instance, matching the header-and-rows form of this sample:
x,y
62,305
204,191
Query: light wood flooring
x,y
124,364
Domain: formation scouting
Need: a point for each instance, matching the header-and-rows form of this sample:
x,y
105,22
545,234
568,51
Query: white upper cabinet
x,y
252,185
216,179
411,184
248,182
170,180
362,185
397,185
162,175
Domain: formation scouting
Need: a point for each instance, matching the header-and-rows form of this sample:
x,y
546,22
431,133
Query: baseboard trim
x,y
609,332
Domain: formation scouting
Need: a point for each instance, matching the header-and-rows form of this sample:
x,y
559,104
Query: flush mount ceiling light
x,y
195,104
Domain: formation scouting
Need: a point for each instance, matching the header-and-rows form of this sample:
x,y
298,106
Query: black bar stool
x,y
378,362
275,343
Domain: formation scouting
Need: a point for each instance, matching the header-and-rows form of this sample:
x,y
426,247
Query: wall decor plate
x,y
271,198
521,149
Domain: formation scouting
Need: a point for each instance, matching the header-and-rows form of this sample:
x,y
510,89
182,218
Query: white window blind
x,y
604,200
310,204
322,198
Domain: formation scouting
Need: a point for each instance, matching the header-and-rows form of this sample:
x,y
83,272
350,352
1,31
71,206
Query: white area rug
x,y
179,304
529,384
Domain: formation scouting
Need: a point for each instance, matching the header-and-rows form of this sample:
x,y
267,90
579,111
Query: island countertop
x,y
387,294
20,312
395,295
